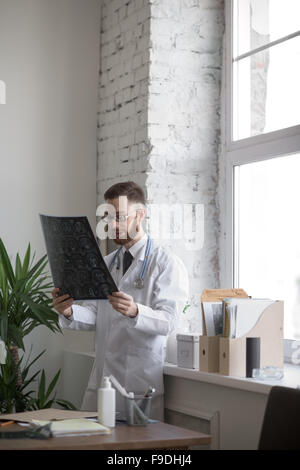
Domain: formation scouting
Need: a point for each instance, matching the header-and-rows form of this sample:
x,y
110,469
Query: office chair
x,y
281,423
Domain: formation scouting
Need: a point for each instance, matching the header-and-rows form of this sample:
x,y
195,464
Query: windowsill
x,y
291,378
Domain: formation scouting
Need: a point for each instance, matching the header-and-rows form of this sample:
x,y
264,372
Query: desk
x,y
123,437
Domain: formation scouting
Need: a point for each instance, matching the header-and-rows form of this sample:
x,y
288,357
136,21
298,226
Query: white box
x,y
188,350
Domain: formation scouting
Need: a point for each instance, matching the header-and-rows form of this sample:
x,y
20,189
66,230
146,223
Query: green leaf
x,y
27,366
52,385
25,383
18,267
38,268
48,404
42,386
8,270
26,261
3,325
186,307
43,314
67,405
31,327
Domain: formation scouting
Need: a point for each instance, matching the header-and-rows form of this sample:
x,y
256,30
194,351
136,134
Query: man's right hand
x,y
62,303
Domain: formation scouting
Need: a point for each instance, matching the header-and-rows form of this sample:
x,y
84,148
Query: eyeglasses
x,y
116,218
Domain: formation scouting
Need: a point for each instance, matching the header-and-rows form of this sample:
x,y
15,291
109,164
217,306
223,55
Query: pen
x,y
6,423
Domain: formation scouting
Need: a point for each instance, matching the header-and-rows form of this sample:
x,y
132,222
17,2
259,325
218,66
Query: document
x,y
229,318
213,318
74,427
75,259
47,414
241,315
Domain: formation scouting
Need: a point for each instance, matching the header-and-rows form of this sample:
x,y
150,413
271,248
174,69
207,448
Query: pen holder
x,y
137,410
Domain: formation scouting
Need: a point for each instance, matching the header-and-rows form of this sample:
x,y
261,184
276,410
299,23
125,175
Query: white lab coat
x,y
133,349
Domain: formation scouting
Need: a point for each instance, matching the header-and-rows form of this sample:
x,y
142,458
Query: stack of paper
x,y
74,427
213,318
47,414
229,318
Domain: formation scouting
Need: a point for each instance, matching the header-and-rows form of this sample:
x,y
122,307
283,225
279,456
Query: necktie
x,y
127,260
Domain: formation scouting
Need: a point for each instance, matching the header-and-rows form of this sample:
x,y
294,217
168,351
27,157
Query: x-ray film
x,y
75,259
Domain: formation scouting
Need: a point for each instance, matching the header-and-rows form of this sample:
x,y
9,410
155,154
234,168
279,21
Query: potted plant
x,y
24,305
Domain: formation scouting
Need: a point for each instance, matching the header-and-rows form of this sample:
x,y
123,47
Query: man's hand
x,y
62,303
123,303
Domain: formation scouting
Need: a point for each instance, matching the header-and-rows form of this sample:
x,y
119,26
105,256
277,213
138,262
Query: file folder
x,y
209,345
269,328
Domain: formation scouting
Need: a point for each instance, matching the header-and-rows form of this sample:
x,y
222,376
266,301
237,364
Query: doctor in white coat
x,y
133,324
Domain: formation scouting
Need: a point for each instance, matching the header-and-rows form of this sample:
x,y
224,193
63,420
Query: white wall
x,y
49,59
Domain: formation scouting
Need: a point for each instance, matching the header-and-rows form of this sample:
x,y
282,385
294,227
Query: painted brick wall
x,y
123,92
159,115
184,125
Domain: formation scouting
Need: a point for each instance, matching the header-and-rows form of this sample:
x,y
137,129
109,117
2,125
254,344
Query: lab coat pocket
x,y
144,367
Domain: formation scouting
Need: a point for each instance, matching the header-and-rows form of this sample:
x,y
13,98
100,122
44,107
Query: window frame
x,y
251,149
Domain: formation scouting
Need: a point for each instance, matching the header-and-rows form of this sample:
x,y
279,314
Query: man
x,y
133,324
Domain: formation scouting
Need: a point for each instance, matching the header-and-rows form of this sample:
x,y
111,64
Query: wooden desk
x,y
154,436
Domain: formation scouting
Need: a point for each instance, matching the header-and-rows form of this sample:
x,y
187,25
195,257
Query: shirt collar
x,y
137,250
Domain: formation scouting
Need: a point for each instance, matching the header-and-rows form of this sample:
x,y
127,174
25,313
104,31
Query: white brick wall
x,y
159,114
123,92
184,124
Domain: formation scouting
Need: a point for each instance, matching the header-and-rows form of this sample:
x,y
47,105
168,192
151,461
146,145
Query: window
x,y
262,151
266,66
267,208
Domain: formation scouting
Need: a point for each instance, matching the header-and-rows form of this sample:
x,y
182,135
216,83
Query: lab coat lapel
x,y
131,274
125,282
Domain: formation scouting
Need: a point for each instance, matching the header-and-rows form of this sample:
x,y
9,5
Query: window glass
x,y
258,22
266,90
267,234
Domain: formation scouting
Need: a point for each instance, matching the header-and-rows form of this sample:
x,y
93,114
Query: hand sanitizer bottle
x,y
107,404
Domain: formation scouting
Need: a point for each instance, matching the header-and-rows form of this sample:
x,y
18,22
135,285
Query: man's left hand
x,y
123,303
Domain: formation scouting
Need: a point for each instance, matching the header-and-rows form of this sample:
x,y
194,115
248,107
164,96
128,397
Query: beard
x,y
122,238
121,241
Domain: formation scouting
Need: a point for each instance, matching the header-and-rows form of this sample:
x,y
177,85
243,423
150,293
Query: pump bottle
x,y
107,404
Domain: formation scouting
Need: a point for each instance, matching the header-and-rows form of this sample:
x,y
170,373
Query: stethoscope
x,y
139,282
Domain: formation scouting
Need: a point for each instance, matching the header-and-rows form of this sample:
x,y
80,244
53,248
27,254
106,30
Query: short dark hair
x,y
130,189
